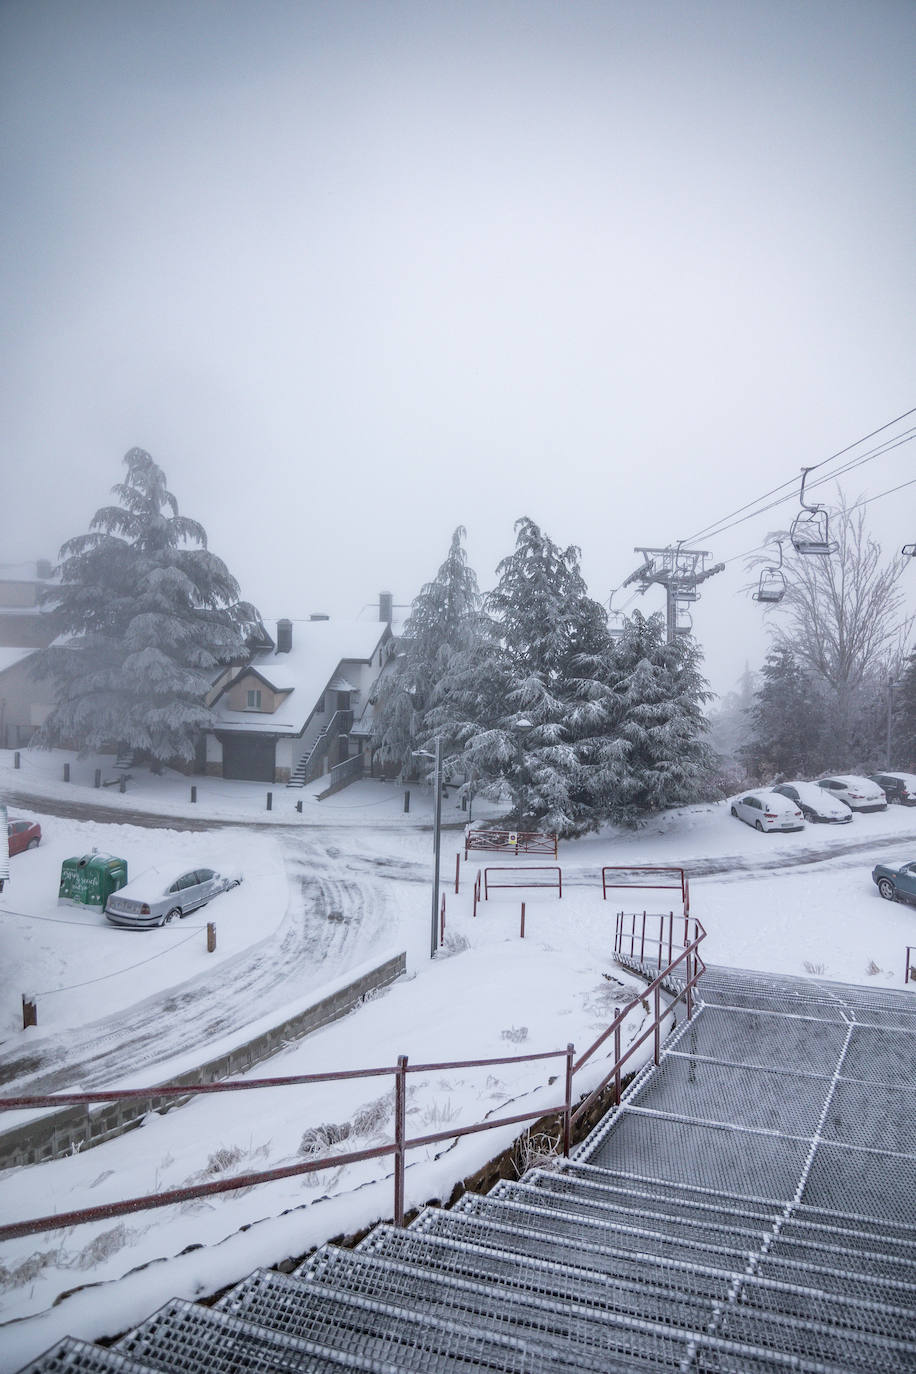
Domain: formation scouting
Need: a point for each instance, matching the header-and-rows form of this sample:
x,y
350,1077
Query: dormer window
x,y
254,699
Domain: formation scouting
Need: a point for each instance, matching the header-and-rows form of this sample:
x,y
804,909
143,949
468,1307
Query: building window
x,y
254,698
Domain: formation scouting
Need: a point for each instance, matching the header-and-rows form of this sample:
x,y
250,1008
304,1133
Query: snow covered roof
x,y
305,672
9,657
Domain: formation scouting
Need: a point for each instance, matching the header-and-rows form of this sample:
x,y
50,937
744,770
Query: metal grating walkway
x,y
749,1207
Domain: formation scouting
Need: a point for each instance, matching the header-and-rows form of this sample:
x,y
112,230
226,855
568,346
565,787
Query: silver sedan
x,y
158,896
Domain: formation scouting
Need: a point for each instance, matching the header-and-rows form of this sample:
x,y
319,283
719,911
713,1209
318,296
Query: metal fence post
x,y
270,801
658,1028
567,1115
616,1063
522,930
457,869
66,772
193,794
400,1118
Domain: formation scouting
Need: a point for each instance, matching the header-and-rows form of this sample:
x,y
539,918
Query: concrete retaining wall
x,y
75,1128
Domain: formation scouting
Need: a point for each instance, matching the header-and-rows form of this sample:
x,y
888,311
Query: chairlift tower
x,y
679,571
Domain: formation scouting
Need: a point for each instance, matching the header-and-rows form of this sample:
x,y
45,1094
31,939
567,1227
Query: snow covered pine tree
x,y
145,620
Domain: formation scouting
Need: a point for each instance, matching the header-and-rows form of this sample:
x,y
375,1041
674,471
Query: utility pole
x,y
679,571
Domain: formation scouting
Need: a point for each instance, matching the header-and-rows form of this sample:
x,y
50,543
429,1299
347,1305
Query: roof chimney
x,y
385,607
284,636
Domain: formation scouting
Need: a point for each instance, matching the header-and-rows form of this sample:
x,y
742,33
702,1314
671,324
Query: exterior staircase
x,y
748,1207
309,766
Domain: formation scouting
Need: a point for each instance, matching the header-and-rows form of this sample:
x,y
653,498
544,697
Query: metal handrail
x,y
402,1143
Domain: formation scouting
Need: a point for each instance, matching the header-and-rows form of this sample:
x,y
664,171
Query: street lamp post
x,y
437,837
521,727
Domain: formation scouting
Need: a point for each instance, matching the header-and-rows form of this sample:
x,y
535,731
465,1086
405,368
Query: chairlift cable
x,y
866,501
896,442
713,528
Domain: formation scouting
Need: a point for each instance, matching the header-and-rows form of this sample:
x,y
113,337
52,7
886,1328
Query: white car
x,y
815,803
767,811
860,794
162,895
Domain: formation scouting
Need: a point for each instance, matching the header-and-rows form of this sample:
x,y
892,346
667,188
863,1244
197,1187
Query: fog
x,y
357,273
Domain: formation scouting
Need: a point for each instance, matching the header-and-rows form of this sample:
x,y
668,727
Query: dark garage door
x,y
250,757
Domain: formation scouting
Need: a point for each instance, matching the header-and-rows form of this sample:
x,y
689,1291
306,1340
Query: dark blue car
x,y
896,883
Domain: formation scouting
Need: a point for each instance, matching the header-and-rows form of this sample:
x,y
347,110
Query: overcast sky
x,y
357,273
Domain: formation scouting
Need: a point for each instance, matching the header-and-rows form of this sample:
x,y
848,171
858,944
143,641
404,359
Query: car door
x,y
749,809
207,885
906,882
193,891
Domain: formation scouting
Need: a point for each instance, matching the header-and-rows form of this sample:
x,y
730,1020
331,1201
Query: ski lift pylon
x,y
772,585
810,532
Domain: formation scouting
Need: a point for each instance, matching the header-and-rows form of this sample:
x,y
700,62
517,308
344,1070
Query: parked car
x,y
859,794
23,835
815,803
897,787
767,811
158,896
896,882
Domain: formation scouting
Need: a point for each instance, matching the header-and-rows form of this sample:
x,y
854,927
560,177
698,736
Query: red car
x,y
23,835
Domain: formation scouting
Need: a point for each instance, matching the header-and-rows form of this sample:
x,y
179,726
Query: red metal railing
x,y
677,876
686,956
511,841
522,877
909,970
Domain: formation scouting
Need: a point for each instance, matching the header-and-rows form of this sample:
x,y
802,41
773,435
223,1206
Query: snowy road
x,y
340,918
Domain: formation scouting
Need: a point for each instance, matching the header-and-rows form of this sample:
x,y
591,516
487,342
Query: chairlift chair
x,y
686,592
810,530
909,550
772,585
683,621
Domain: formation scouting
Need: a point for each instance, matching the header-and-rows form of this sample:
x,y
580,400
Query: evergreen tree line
x,y
532,699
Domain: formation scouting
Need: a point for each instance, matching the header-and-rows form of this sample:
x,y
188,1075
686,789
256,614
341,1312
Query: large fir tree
x,y
145,615
788,737
519,701
445,623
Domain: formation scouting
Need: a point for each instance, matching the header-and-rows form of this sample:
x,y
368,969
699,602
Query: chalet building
x,y
301,704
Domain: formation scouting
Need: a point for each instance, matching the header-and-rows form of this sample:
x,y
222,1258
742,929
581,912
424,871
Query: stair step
x,y
577,1334
378,1330
71,1356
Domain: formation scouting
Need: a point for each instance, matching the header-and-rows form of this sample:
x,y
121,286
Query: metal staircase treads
x,y
392,1336
201,1340
633,1205
71,1356
569,1232
633,1291
574,1335
724,1229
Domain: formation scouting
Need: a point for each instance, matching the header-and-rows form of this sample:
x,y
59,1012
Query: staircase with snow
x,y
749,1206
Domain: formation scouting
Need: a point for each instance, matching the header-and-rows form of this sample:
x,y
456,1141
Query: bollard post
x,y
66,772
407,801
97,780
122,785
211,937
270,801
193,794
16,759
299,806
522,931
29,1012
464,802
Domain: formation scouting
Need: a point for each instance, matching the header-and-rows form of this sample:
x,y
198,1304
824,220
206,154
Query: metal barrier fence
x,y
676,879
511,841
522,877
686,957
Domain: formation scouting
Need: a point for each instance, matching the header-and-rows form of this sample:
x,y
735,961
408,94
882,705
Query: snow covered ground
x,y
796,903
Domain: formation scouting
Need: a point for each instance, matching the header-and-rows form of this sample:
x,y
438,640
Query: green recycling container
x,y
89,880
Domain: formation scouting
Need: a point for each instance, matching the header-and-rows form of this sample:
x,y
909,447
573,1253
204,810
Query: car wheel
x,y
758,825
734,813
32,844
170,915
887,889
